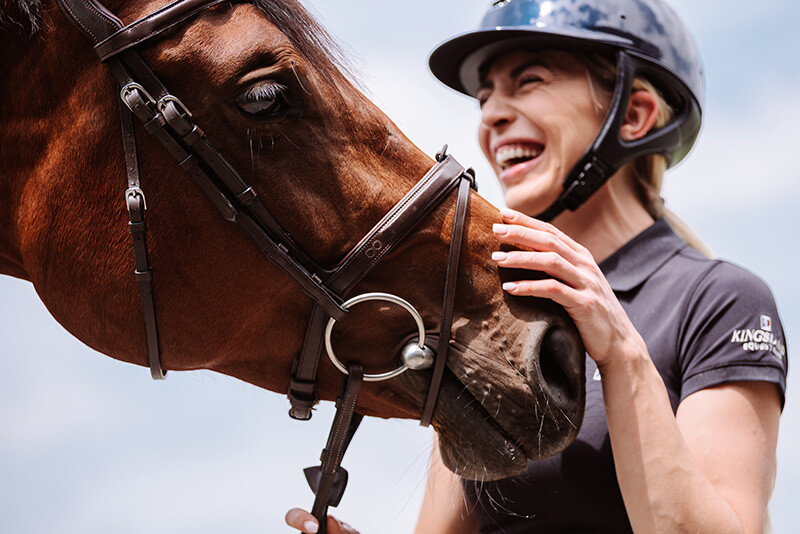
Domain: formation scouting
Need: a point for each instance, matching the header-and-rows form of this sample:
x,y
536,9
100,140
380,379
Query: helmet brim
x,y
457,62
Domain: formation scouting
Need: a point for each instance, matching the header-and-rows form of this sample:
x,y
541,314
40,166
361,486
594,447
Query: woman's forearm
x,y
663,487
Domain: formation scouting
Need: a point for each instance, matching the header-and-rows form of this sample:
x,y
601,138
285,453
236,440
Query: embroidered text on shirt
x,y
760,340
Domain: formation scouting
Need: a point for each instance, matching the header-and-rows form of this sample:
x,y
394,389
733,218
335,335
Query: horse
x,y
264,81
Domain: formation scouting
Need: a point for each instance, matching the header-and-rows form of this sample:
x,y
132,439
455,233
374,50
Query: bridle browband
x,y
144,96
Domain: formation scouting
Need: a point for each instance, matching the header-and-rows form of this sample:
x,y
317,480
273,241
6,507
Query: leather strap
x,y
136,205
329,480
152,25
448,306
91,17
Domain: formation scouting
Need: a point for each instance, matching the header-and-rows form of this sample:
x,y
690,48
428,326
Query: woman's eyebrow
x,y
516,71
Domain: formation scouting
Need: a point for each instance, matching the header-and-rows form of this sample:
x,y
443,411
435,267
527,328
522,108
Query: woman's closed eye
x,y
483,95
527,79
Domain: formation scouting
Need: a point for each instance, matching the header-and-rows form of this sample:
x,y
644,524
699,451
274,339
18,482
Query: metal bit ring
x,y
383,297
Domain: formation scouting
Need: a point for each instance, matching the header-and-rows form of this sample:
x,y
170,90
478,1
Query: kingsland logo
x,y
758,336
760,340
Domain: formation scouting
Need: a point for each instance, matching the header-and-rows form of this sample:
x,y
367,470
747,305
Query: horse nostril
x,y
561,366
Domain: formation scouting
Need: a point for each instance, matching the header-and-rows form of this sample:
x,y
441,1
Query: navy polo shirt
x,y
705,322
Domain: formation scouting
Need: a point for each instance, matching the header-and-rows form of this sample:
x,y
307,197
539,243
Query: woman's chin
x,y
529,202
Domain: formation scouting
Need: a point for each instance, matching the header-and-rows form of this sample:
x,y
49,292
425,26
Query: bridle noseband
x,y
144,96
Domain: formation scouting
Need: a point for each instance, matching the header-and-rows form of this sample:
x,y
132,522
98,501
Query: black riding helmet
x,y
646,38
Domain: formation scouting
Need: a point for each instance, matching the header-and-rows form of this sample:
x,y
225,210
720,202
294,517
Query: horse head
x,y
262,81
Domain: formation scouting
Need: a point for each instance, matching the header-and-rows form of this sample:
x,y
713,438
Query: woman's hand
x,y
305,522
577,284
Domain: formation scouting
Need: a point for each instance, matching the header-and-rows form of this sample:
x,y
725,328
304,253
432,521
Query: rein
x,y
164,116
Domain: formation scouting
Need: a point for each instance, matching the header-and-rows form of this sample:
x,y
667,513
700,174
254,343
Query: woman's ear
x,y
641,115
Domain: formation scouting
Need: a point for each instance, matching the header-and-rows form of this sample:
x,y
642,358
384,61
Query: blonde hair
x,y
648,170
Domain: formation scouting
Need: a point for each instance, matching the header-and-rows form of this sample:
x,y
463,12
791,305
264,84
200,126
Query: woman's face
x,y
539,114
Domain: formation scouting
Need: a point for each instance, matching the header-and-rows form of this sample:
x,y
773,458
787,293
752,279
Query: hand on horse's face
x,y
305,522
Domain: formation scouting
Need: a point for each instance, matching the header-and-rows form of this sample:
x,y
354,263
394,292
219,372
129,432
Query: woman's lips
x,y
515,157
510,154
512,173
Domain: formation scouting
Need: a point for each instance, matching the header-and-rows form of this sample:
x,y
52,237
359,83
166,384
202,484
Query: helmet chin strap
x,y
609,151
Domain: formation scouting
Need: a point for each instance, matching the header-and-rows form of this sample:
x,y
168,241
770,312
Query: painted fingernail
x,y
310,527
500,229
509,286
499,256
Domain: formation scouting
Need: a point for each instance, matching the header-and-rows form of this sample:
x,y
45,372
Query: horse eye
x,y
265,100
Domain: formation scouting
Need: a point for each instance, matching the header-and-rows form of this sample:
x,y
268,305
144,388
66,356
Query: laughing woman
x,y
583,107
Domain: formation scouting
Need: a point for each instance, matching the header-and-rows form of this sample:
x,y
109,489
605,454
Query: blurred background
x,y
90,445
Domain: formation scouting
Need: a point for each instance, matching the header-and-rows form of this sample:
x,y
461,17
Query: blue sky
x,y
92,445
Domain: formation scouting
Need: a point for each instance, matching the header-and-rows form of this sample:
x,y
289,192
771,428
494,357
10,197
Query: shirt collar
x,y
642,256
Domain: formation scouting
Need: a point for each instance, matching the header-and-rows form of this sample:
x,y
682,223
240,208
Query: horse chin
x,y
471,443
478,445
493,417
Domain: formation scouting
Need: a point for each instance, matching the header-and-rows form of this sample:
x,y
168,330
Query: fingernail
x,y
500,229
509,286
310,527
499,256
507,213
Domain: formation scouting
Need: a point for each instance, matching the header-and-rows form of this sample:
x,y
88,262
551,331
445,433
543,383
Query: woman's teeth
x,y
510,155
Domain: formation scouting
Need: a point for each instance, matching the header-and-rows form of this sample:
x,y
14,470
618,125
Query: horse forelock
x,y
22,17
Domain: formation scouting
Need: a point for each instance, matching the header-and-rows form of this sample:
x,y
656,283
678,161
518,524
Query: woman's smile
x,y
514,159
538,118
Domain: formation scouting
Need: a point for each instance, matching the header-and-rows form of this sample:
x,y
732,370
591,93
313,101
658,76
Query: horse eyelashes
x,y
263,99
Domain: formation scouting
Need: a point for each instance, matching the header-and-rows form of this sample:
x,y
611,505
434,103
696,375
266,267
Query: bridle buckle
x,y
128,90
131,193
170,98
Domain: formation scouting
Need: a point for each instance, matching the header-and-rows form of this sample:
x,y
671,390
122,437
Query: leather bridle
x,y
164,116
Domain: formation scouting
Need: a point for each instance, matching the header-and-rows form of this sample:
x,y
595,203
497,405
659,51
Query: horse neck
x,y
20,109
40,78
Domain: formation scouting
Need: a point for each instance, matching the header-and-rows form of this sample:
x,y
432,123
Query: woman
x,y
686,363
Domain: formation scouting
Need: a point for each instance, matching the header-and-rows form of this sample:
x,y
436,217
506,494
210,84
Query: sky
x,y
92,445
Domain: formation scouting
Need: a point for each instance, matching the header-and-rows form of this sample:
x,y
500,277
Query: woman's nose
x,y
497,112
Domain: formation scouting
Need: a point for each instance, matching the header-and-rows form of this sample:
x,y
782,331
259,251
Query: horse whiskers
x,y
568,419
290,141
252,154
299,81
511,364
541,426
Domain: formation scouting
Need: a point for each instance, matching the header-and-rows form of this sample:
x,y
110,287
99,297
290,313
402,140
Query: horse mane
x,y
307,35
23,17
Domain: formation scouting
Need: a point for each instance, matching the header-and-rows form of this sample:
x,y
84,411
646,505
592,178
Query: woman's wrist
x,y
629,358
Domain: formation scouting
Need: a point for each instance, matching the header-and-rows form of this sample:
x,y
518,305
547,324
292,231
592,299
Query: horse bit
x,y
164,116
